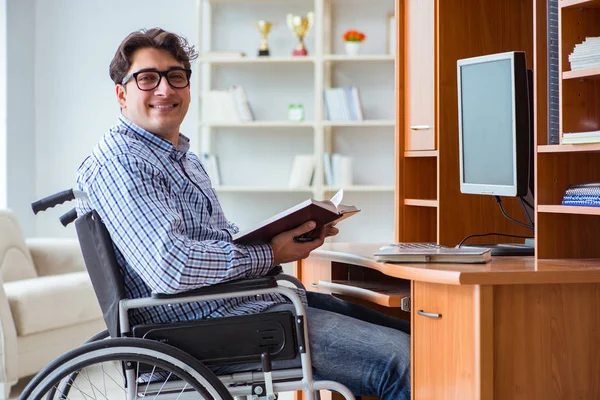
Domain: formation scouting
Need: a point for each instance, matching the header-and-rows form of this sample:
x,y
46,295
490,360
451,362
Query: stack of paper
x,y
586,54
581,137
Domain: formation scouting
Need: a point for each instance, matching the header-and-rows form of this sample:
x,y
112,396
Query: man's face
x,y
160,110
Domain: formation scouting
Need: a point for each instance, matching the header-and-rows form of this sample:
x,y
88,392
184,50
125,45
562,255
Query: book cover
x,y
322,212
396,253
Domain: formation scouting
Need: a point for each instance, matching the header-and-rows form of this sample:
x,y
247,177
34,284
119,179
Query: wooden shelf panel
x,y
420,203
382,293
258,60
425,153
265,189
590,73
359,58
569,148
365,123
560,209
262,124
579,3
362,188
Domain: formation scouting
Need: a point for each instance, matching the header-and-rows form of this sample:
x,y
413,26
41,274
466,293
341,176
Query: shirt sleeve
x,y
132,198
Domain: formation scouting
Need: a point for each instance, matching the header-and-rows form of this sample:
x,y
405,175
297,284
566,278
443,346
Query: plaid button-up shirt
x,y
169,232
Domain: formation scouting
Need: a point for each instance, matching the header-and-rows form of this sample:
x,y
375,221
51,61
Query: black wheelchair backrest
x,y
99,256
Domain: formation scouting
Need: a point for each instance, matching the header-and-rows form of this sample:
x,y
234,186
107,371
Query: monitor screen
x,y
493,108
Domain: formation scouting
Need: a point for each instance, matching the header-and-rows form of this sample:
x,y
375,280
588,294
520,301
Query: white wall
x,y
75,104
2,103
20,129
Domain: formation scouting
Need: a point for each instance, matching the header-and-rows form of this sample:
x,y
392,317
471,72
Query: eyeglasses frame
x,y
134,75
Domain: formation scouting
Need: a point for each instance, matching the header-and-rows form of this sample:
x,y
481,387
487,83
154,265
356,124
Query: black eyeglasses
x,y
149,79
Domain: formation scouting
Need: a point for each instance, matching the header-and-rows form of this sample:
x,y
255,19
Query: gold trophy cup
x,y
300,27
264,27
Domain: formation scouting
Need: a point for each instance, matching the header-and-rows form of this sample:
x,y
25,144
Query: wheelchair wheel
x,y
125,368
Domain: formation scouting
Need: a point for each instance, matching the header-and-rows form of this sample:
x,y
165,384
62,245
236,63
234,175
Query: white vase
x,y
352,48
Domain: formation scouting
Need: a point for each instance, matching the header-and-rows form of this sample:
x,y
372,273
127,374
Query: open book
x,y
432,253
323,212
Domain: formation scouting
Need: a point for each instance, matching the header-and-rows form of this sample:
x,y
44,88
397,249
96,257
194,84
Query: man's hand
x,y
285,249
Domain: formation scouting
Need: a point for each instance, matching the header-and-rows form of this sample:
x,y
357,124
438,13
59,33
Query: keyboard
x,y
418,246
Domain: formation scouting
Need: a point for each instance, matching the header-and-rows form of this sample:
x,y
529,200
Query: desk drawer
x,y
443,341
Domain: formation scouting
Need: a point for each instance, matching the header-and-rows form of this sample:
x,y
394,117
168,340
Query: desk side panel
x,y
546,341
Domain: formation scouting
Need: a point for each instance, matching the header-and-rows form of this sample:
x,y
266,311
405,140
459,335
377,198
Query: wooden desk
x,y
511,329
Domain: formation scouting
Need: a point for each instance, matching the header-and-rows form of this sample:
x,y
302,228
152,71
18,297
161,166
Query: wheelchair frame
x,y
238,384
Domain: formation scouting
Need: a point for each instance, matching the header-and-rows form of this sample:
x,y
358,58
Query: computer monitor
x,y
495,122
495,148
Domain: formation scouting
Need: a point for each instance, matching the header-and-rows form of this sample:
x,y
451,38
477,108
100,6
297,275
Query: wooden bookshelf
x,y
566,234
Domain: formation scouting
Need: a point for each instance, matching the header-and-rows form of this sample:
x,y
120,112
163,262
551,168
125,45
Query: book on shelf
x,y
303,167
226,106
224,54
431,253
343,104
209,161
323,212
582,195
338,169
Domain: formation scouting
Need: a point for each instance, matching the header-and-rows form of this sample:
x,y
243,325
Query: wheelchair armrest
x,y
242,285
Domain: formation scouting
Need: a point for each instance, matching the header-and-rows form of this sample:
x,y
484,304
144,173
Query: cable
x,y
523,201
499,201
526,202
490,234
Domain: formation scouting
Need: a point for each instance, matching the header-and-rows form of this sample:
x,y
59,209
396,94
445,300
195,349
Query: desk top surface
x,y
501,270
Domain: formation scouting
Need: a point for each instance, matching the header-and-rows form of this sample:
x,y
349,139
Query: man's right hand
x,y
285,249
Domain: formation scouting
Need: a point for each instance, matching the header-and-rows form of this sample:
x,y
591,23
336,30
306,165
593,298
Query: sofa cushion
x,y
15,259
51,302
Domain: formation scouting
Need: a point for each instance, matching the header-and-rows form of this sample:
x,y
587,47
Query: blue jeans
x,y
370,359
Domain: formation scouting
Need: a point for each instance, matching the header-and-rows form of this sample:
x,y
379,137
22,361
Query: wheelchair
x,y
177,360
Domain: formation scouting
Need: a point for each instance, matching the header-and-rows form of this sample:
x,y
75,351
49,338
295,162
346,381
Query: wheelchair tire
x,y
74,375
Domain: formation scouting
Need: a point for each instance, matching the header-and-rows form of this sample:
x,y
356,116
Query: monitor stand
x,y
507,249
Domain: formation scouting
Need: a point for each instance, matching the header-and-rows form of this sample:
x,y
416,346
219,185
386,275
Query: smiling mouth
x,y
163,106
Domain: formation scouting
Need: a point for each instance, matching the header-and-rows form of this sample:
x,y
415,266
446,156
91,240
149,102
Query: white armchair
x,y
47,303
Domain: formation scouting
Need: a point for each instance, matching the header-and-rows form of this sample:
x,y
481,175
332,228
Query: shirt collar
x,y
162,144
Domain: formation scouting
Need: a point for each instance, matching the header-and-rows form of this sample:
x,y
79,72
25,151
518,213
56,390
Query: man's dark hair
x,y
155,38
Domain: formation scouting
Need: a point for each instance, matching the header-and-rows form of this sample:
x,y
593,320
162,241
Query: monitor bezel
x,y
520,123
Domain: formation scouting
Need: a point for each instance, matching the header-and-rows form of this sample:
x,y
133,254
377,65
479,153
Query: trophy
x,y
300,26
264,27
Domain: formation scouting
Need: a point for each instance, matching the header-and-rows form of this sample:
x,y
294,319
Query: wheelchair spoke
x,y
95,372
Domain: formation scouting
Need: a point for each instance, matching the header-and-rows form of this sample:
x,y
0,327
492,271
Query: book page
x,y
337,198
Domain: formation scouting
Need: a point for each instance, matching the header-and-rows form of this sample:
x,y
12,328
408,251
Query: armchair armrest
x,y
53,256
265,282
9,367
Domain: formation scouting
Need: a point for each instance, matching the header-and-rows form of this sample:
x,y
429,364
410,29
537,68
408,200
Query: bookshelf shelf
x,y
258,60
589,73
365,123
261,189
559,209
262,124
361,188
579,3
569,148
272,85
420,203
359,58
425,153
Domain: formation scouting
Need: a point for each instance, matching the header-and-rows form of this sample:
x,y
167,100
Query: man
x,y
170,234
